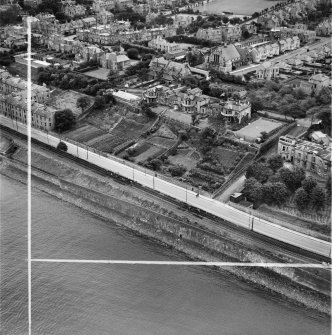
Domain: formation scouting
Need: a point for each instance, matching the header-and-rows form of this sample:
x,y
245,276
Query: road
x,y
149,180
289,54
211,226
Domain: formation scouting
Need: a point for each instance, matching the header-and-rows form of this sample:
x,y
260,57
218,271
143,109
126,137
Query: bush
x,y
177,171
133,53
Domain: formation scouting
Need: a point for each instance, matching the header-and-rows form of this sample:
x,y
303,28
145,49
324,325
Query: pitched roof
x,y
229,52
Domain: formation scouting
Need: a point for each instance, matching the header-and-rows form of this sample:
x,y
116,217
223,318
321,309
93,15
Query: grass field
x,y
253,130
67,99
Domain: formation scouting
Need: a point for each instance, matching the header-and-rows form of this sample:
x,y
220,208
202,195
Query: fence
x,y
272,140
182,194
237,172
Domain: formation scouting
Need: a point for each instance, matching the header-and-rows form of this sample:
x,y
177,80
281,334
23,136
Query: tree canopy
x,y
82,102
64,120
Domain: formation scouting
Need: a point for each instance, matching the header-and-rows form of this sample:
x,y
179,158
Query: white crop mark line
x,y
184,263
29,166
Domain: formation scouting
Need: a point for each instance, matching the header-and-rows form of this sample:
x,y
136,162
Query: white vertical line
x,y
29,168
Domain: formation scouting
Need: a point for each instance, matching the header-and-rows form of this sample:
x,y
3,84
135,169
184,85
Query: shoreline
x,y
277,284
251,6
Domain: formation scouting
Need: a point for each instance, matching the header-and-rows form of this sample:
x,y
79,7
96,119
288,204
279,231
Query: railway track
x,y
207,219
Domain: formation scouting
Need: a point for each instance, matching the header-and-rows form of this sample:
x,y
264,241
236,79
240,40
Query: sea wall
x,y
302,286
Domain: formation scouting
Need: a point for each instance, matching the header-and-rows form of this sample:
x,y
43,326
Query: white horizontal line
x,y
184,263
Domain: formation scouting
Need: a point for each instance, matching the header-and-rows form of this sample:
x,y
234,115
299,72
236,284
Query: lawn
x,y
252,131
67,99
100,73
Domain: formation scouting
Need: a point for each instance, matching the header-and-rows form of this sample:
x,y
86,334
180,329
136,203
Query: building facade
x,y
312,157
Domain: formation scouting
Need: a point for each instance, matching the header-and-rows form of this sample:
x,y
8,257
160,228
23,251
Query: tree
x,y
318,197
309,184
62,146
260,171
301,199
264,136
8,16
64,120
207,132
275,162
324,96
194,119
225,19
99,102
191,81
280,193
177,171
268,193
292,178
256,104
82,102
133,53
155,164
180,31
253,190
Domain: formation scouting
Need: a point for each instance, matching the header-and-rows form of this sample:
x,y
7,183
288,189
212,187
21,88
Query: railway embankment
x,y
172,226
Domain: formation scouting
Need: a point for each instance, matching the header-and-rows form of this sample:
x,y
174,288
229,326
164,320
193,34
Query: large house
x,y
235,111
319,80
169,71
71,10
182,99
267,71
192,100
99,5
313,157
161,44
226,33
324,28
10,84
14,106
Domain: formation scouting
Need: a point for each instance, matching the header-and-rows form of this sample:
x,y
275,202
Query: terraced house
x,y
14,106
10,84
71,10
226,33
313,157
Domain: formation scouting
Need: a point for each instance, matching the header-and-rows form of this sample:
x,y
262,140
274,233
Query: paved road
x,y
209,205
290,54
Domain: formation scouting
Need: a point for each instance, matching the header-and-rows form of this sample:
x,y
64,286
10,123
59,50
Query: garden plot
x,y
187,158
161,142
147,151
228,158
84,133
